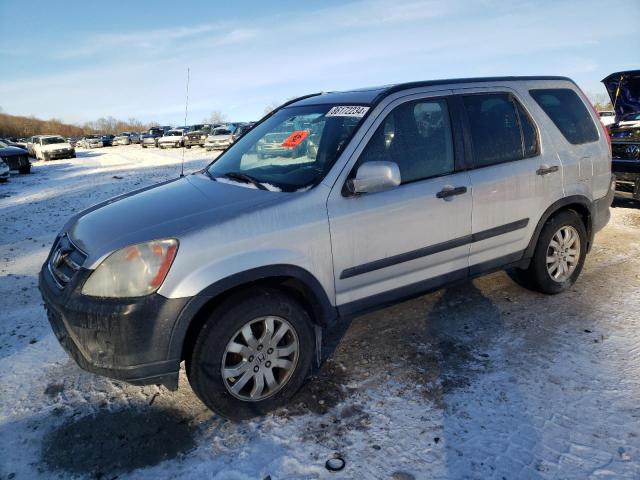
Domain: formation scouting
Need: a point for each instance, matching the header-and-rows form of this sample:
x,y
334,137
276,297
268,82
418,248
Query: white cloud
x,y
240,67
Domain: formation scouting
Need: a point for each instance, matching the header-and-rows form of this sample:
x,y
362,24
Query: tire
x,y
144,146
539,276
25,170
45,157
204,366
187,146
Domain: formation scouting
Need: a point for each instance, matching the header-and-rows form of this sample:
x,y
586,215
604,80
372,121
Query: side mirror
x,y
373,177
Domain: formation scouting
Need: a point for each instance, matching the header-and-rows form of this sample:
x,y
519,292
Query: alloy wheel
x,y
260,358
563,253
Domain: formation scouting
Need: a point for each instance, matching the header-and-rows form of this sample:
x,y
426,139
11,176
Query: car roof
x,y
373,95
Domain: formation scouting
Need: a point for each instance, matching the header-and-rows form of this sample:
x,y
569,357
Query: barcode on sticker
x,y
347,111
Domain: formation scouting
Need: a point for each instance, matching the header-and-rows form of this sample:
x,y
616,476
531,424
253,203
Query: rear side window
x,y
567,111
501,130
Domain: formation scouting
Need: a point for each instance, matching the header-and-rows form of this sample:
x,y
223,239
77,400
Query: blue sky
x,y
80,60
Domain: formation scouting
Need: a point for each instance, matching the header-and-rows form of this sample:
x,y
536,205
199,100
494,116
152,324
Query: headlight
x,y
132,271
203,136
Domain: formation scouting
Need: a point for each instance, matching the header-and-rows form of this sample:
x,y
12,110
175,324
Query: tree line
x,y
15,126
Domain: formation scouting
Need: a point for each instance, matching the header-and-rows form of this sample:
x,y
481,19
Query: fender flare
x,y
556,206
324,312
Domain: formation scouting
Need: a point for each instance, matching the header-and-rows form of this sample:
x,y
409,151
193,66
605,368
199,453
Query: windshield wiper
x,y
243,177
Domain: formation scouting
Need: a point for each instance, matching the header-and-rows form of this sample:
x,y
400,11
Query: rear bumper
x,y
600,213
124,339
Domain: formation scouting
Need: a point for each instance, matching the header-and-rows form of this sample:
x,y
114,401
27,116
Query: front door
x,y
394,243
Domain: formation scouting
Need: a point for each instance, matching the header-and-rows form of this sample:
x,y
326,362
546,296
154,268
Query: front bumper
x,y
125,339
191,142
58,154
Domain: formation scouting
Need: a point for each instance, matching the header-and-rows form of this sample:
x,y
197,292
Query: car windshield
x,y
221,131
51,140
293,149
173,133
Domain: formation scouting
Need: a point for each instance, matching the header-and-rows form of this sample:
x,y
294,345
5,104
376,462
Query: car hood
x,y
212,138
11,151
166,210
170,139
628,97
55,146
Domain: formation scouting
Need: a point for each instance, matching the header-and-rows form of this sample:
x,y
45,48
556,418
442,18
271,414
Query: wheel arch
x,y
580,204
295,280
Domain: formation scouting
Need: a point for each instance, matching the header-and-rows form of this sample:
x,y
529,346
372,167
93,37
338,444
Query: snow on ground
x,y
484,380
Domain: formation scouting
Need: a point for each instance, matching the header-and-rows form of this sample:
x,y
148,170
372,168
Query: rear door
x,y
515,174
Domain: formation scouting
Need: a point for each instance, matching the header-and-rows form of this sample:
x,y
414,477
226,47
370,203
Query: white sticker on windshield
x,y
347,111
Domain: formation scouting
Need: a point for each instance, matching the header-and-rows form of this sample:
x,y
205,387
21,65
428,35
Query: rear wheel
x,y
25,170
559,255
252,354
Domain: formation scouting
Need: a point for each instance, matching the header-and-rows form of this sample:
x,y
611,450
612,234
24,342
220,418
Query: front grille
x,y
65,261
626,151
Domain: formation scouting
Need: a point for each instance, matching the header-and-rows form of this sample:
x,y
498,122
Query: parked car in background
x,y
241,130
4,171
91,141
52,147
624,91
219,139
607,117
172,138
126,138
107,140
238,268
73,141
30,144
150,139
197,135
16,158
14,143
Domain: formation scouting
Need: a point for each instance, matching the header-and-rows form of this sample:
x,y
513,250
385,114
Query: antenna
x,y
186,109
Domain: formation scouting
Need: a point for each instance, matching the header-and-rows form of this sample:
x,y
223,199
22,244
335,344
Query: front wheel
x,y
25,170
252,354
559,255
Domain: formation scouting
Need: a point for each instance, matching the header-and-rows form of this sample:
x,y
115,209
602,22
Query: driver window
x,y
417,137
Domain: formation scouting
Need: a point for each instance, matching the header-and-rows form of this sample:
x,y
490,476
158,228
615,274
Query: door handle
x,y
546,169
450,191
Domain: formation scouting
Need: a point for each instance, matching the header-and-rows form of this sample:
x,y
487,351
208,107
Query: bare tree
x,y
217,117
271,107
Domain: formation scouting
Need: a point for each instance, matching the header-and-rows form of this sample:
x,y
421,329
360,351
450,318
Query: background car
x,y
172,138
241,130
52,147
126,138
15,158
4,171
219,139
150,139
198,134
91,141
14,143
607,117
107,140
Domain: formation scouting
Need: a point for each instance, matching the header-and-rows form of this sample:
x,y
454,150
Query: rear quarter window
x,y
569,114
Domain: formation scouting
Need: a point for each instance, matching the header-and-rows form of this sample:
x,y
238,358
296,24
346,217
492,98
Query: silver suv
x,y
373,196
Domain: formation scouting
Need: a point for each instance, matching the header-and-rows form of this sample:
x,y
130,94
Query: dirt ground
x,y
481,380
